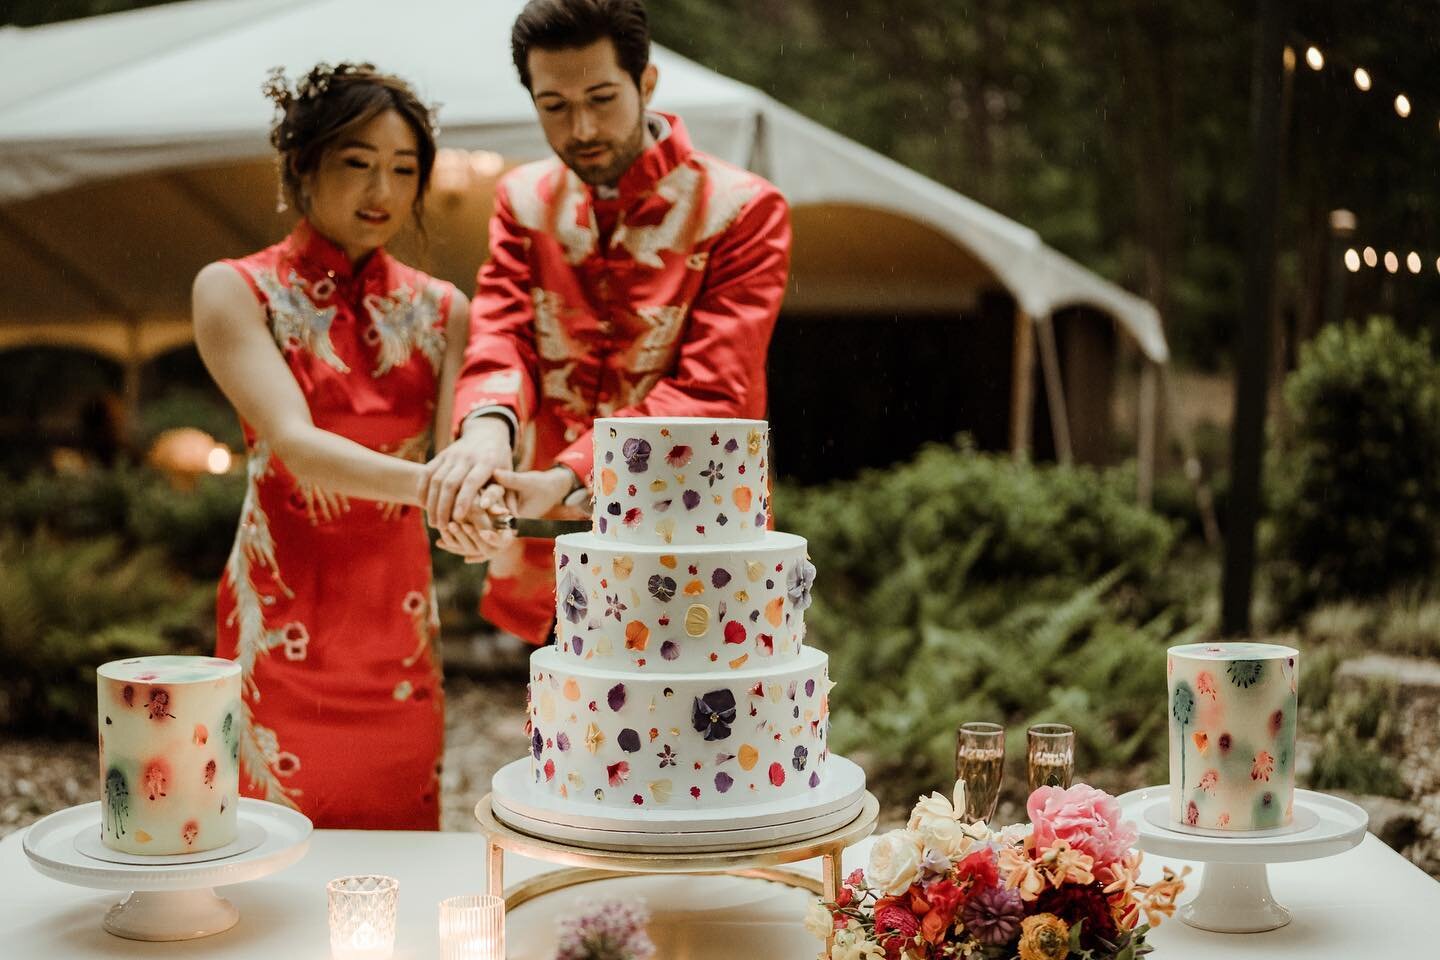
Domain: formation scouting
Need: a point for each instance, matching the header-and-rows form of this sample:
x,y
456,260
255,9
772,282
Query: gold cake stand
x,y
587,865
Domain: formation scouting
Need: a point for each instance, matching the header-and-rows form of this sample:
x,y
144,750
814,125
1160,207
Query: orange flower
x,y
775,611
1263,766
742,497
1202,740
1159,899
637,635
1044,937
607,481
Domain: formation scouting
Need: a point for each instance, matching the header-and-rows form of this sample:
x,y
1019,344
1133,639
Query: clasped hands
x,y
469,488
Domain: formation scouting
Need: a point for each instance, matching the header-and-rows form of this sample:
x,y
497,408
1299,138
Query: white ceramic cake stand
x,y
835,802
168,901
1234,894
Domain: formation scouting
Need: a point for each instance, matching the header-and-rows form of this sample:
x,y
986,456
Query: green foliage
x,y
1358,490
898,538
194,528
66,608
1359,737
200,407
963,587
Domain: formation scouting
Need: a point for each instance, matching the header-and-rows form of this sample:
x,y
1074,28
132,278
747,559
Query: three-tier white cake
x,y
679,680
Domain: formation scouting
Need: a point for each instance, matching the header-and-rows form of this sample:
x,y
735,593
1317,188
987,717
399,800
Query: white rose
x,y
950,837
895,861
818,922
933,807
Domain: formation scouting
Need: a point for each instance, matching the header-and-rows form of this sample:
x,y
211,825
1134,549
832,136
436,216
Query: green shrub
x,y
195,528
1357,489
1359,738
954,512
203,408
74,505
964,587
66,608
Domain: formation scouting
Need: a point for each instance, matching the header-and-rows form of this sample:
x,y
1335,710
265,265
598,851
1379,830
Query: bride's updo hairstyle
x,y
329,103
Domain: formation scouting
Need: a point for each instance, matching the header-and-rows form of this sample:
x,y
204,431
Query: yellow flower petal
x,y
697,620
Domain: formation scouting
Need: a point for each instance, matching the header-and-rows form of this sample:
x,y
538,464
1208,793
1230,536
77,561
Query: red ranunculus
x,y
843,898
894,927
944,899
979,869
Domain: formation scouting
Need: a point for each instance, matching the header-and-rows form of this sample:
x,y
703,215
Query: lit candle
x,y
362,917
472,928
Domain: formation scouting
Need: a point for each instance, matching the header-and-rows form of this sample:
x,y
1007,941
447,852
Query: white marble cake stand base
x,y
170,900
835,802
1234,894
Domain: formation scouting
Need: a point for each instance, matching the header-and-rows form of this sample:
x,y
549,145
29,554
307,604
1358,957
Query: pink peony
x,y
1086,817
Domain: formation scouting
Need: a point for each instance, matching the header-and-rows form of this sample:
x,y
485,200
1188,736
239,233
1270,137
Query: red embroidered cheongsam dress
x,y
326,600
655,299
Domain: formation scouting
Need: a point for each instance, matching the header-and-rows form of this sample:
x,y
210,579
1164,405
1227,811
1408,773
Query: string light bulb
x,y
1392,262
1402,105
1362,79
1352,260
1371,258
1315,58
1413,262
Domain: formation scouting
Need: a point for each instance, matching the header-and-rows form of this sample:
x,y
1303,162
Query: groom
x,y
631,275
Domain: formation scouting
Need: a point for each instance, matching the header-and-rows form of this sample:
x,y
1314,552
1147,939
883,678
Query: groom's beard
x,y
617,159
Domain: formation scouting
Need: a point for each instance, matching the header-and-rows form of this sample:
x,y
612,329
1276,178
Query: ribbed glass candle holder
x,y
472,928
362,917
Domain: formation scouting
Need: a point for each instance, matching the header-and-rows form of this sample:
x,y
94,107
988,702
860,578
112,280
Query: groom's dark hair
x,y
571,24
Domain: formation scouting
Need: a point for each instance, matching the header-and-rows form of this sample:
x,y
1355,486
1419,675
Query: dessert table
x,y
1367,902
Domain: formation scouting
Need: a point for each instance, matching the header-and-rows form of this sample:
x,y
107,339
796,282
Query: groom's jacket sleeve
x,y
500,363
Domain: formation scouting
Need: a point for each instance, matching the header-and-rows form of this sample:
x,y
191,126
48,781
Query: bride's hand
x,y
477,538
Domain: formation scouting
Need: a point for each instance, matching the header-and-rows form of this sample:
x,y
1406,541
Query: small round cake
x,y
169,753
1232,735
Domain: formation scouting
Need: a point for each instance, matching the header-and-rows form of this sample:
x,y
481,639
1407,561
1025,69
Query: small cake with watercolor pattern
x,y
1232,713
169,751
679,678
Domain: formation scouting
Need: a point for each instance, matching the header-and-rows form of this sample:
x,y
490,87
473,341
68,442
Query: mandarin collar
x,y
310,247
671,149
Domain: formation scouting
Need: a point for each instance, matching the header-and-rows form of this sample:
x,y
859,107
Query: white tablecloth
x,y
1368,903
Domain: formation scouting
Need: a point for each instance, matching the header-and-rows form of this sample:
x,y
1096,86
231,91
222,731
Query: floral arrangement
x,y
1064,885
610,931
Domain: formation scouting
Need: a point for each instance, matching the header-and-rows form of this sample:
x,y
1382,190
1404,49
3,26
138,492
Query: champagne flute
x,y
1050,755
980,762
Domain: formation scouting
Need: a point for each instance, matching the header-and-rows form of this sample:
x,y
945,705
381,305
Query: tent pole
x,y
1054,389
1149,419
1022,385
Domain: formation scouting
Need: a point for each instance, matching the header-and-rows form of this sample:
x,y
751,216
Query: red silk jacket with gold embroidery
x,y
659,301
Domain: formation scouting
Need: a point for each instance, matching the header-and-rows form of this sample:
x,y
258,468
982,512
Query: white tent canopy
x,y
133,149
175,86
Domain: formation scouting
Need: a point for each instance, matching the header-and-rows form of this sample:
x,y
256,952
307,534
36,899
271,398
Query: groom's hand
x,y
455,477
538,493
477,538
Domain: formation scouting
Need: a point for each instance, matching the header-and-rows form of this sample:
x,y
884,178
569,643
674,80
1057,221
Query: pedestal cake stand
x,y
604,844
1234,895
170,898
